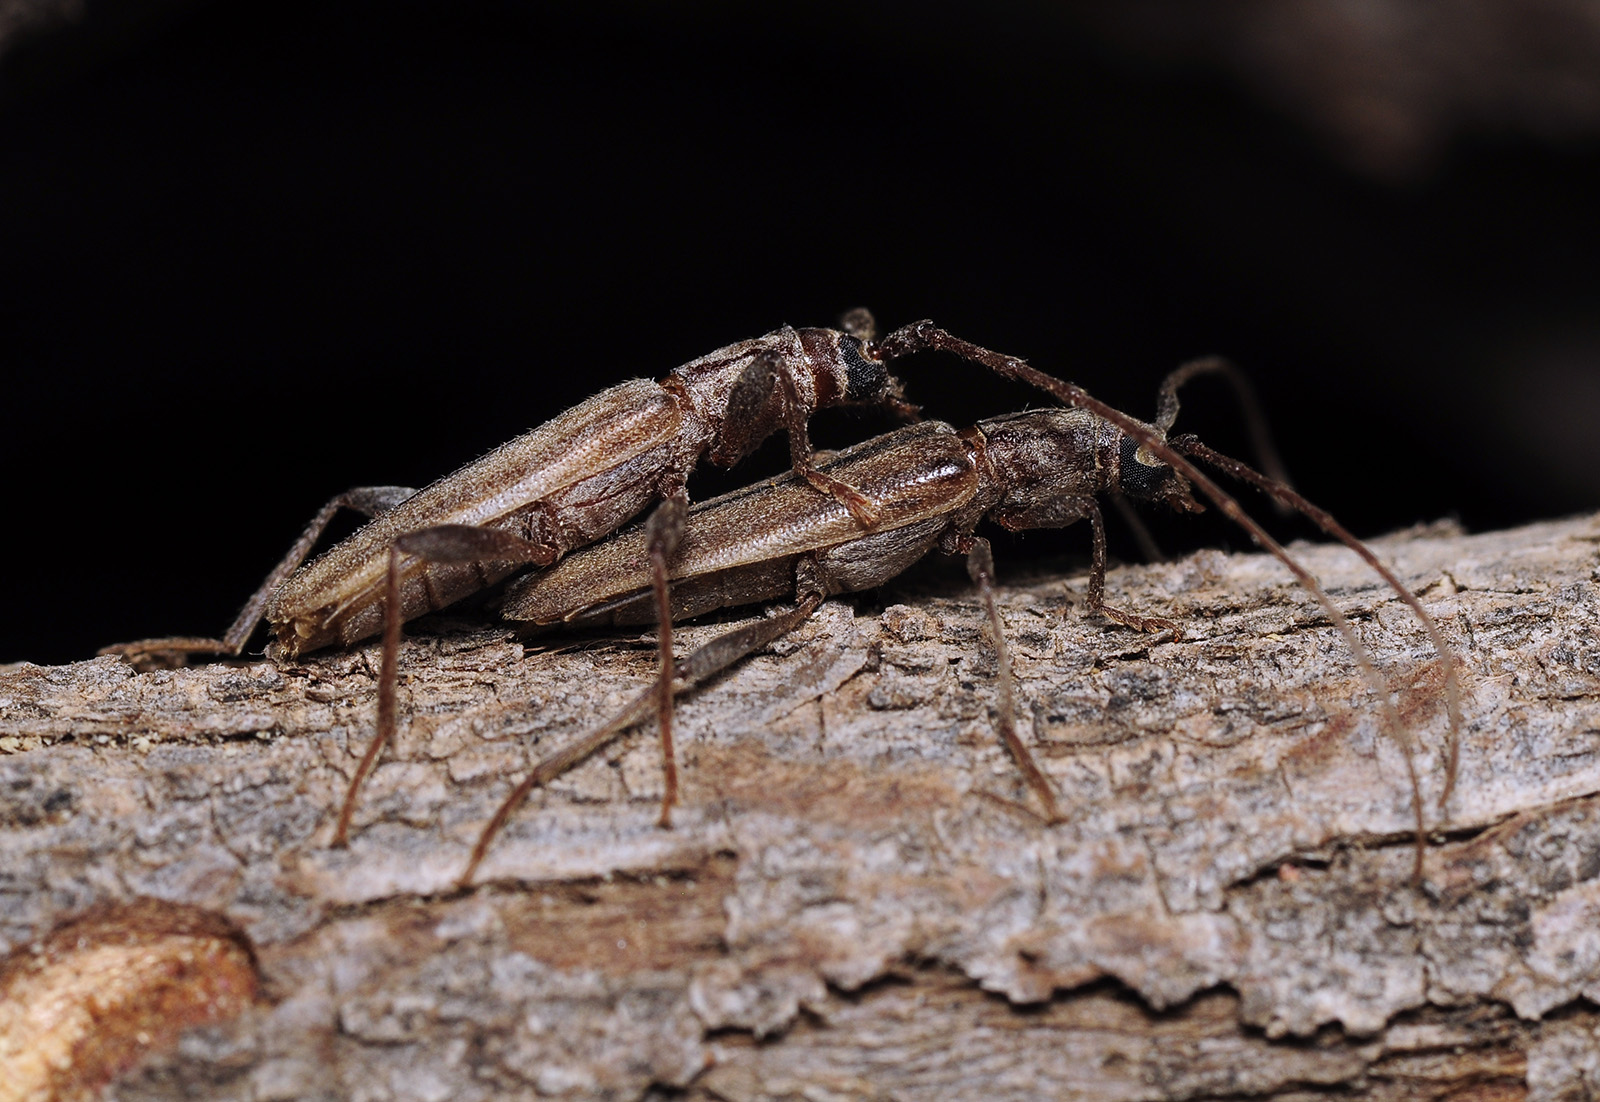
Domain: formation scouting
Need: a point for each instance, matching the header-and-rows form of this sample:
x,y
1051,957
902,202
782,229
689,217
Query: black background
x,y
251,257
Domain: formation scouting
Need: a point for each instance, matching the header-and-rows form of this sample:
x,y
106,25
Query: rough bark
x,y
855,899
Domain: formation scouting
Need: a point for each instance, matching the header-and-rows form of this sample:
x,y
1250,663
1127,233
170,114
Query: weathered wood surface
x,y
855,900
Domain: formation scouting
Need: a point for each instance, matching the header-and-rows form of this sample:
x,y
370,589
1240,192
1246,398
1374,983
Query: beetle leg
x,y
368,500
865,511
1097,582
697,666
980,566
444,543
663,529
770,375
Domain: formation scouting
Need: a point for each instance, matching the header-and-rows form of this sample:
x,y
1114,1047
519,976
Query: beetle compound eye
x,y
1142,474
865,378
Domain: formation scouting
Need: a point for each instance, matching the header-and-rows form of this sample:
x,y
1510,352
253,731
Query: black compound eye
x,y
865,379
1138,477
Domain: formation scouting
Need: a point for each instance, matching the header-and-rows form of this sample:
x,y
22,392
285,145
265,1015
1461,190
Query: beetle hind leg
x,y
169,652
443,543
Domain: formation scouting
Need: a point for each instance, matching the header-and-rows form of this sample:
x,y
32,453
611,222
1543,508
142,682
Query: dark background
x,y
251,256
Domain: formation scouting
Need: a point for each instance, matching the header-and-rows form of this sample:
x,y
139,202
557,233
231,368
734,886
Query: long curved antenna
x,y
1267,458
1325,521
925,334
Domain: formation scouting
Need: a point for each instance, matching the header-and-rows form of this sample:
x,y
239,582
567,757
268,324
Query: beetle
x,y
564,484
1041,468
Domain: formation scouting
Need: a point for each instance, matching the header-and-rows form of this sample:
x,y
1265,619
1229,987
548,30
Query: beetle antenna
x,y
925,334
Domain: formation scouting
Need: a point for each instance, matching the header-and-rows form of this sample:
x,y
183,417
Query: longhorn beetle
x,y
560,486
933,485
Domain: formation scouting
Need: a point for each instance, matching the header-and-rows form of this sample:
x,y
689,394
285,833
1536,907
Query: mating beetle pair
x,y
850,523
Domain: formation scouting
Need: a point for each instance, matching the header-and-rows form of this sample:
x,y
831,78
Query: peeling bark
x,y
856,900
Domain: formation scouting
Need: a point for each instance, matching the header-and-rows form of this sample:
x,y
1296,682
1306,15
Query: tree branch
x,y
857,898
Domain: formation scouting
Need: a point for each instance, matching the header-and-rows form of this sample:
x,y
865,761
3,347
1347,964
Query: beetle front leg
x,y
1097,582
865,511
770,376
445,543
367,500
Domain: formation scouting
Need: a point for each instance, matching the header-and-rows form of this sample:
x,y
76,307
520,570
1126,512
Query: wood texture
x,y
856,901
